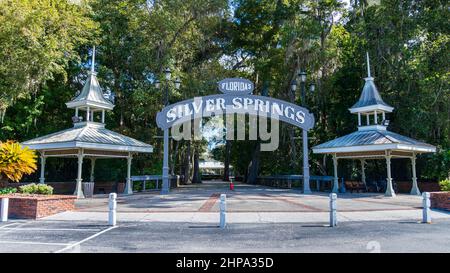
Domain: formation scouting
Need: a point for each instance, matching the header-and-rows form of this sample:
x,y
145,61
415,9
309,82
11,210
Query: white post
x,y
359,119
376,117
367,119
92,115
389,188
384,115
129,185
76,111
88,113
4,210
103,116
415,188
426,212
78,189
112,216
42,178
336,180
223,208
333,207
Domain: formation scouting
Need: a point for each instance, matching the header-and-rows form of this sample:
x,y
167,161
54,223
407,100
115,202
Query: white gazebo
x,y
373,140
89,138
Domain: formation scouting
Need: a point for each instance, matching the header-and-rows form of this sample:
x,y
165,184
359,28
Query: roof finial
x,y
93,60
368,64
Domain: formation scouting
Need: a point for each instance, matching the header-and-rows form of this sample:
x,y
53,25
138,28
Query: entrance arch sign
x,y
237,98
229,103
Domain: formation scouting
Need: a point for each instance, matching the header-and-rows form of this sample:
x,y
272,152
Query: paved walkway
x,y
249,204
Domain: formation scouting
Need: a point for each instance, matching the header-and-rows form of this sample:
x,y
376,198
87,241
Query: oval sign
x,y
236,85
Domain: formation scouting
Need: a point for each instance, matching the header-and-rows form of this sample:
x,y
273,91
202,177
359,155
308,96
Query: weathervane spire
x,y
93,60
368,64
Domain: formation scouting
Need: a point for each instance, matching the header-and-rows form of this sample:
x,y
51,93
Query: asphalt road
x,y
372,236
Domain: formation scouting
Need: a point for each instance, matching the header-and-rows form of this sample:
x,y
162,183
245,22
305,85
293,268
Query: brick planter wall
x,y
429,186
34,207
440,200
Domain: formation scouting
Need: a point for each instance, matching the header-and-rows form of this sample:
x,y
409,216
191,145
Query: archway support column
x,y
306,187
165,176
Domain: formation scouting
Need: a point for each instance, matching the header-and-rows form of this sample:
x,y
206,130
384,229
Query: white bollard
x,y
4,210
112,209
223,208
333,207
426,204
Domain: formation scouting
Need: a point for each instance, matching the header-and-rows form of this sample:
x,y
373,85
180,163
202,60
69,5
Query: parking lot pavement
x,y
76,236
47,236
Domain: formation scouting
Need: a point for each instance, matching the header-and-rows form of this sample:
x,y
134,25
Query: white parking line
x,y
12,224
51,229
85,240
32,243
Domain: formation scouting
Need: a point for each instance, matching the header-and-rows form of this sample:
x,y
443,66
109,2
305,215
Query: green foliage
x,y
8,191
445,184
38,39
36,189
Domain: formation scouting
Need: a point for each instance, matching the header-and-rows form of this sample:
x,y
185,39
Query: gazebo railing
x,y
157,178
144,178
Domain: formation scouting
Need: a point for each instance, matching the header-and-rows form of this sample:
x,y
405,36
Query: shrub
x,y
8,191
445,184
36,189
15,160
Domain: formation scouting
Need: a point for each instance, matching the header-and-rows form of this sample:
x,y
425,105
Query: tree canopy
x,y
45,47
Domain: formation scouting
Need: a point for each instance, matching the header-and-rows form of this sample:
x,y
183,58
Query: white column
x,y
76,111
78,190
128,185
415,188
336,180
103,116
376,117
359,119
389,188
42,178
384,115
367,119
92,170
88,113
363,171
92,115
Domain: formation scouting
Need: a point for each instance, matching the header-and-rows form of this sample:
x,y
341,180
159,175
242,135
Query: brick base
x,y
34,207
440,200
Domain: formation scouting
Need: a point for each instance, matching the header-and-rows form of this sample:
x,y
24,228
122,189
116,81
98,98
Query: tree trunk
x,y
196,177
253,169
174,157
226,170
187,164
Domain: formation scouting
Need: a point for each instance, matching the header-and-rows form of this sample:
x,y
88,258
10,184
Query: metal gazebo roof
x,y
89,135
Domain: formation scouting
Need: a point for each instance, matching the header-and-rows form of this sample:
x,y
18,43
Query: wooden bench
x,y
357,186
